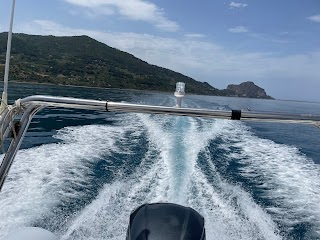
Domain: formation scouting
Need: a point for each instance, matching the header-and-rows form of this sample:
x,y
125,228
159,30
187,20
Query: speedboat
x,y
152,221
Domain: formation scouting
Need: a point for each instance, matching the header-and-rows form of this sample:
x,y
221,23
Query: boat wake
x,y
86,186
284,177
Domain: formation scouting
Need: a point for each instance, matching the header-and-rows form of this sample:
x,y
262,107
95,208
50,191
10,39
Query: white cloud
x,y
291,77
238,29
137,10
314,18
195,35
237,5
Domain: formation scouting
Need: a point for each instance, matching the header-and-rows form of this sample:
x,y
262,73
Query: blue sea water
x,y
80,173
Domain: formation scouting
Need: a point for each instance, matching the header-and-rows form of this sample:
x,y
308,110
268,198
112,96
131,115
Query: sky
x,y
275,44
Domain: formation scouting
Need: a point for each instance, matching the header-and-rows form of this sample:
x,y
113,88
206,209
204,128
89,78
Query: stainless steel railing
x,y
192,112
29,106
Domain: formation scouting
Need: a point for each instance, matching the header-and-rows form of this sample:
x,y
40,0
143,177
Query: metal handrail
x,y
139,108
16,142
29,106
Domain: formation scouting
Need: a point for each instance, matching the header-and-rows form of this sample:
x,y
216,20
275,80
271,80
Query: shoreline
x,y
90,87
150,91
136,90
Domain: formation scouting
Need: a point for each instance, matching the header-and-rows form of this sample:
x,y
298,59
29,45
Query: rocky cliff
x,y
248,89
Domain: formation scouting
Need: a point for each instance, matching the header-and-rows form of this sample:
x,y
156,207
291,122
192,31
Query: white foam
x,y
229,211
286,176
43,177
222,202
108,215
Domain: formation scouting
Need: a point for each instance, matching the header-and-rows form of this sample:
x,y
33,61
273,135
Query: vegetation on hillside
x,y
81,60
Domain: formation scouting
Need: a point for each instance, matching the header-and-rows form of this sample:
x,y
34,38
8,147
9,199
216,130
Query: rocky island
x,y
84,61
249,90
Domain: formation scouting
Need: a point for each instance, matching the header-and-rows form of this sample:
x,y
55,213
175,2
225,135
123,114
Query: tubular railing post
x,y
4,101
16,142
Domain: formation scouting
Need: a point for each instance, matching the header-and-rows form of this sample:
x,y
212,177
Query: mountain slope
x,y
81,60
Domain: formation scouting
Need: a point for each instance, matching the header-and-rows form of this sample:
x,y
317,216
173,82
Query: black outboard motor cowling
x,y
165,221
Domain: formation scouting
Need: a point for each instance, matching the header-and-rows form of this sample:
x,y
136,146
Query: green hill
x,y
81,60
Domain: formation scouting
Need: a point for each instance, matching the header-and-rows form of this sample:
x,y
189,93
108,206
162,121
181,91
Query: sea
x,y
80,173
